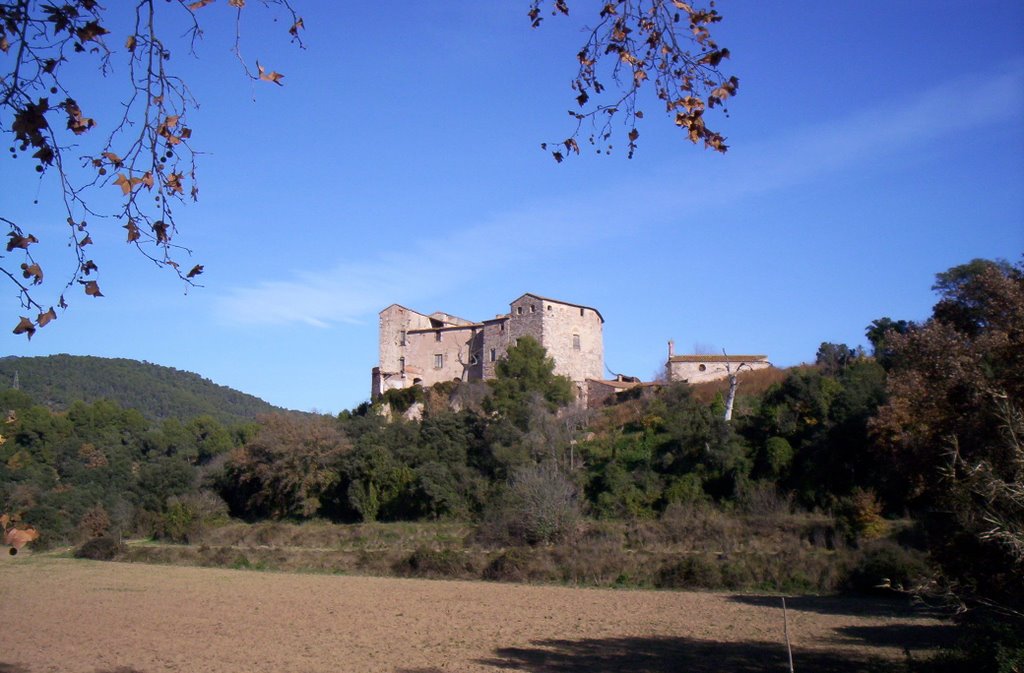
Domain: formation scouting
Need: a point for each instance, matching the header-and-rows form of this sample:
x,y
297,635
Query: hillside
x,y
157,392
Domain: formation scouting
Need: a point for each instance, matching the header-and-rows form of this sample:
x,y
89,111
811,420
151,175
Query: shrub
x,y
700,526
761,498
432,563
884,564
538,507
95,522
690,572
186,517
861,512
100,549
509,566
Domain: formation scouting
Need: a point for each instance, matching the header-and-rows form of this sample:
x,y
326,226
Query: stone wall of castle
x,y
395,324
573,336
442,354
416,348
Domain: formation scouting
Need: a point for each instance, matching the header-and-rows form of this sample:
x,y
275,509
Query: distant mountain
x,y
157,392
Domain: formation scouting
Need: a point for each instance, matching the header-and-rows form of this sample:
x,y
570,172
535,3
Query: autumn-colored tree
x,y
148,156
952,435
661,44
287,469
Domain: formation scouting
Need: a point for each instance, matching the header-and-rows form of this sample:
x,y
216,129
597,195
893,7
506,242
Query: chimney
x,y
671,348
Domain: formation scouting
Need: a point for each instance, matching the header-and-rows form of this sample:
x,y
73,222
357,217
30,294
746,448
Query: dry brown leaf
x,y
133,231
160,229
43,318
32,271
124,183
19,241
25,326
271,76
174,182
92,288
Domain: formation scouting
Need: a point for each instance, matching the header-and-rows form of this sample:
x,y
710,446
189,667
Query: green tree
x,y
525,373
879,333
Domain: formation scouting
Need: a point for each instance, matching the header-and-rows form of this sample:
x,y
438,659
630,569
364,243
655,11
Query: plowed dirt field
x,y
90,617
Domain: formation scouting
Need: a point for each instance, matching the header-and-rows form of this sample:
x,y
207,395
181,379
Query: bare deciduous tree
x,y
664,43
147,155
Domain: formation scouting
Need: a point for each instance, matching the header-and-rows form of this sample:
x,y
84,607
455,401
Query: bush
x,y
761,498
186,517
700,526
95,522
510,566
538,507
861,513
883,567
690,572
431,563
100,549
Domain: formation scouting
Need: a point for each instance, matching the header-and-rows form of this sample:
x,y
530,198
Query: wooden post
x,y
785,629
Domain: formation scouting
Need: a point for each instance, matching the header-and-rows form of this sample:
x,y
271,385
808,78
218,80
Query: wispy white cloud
x,y
354,289
878,132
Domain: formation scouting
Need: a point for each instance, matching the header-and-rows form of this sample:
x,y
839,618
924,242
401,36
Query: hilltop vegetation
x,y
902,468
158,393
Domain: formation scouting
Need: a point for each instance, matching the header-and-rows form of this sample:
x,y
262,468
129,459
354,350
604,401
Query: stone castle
x,y
420,349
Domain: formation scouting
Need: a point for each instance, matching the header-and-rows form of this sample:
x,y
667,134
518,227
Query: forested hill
x,y
155,391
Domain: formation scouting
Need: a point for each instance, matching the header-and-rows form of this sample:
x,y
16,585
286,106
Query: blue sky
x,y
872,145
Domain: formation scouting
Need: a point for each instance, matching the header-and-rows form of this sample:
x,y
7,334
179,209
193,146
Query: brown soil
x,y
83,616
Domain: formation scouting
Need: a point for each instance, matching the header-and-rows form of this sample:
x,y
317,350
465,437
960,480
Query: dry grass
x,y
799,553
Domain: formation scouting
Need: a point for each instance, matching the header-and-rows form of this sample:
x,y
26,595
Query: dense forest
x,y
910,458
57,381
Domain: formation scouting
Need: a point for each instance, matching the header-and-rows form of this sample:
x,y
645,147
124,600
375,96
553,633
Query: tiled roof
x,y
718,358
623,384
445,328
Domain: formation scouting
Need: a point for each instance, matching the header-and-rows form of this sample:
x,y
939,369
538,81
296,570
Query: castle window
x,y
437,335
401,365
494,354
401,338
702,368
533,308
575,342
549,307
519,310
438,361
581,312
